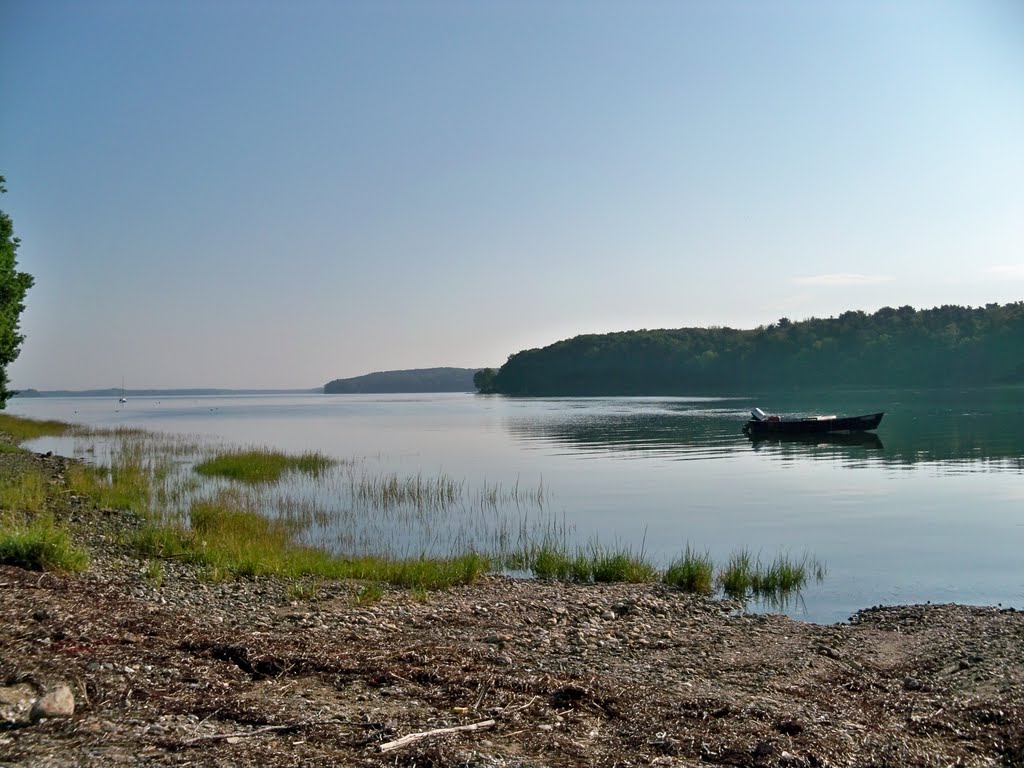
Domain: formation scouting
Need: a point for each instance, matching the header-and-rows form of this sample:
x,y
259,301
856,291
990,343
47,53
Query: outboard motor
x,y
759,415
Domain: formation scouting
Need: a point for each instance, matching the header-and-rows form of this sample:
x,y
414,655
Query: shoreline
x,y
167,669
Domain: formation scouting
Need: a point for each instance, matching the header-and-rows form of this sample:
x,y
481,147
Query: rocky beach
x,y
124,665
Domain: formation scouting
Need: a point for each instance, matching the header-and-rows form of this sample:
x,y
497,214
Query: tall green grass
x,y
22,492
736,578
29,536
745,576
692,572
125,485
554,559
40,545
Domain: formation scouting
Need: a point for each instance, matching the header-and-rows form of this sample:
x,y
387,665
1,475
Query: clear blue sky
x,y
276,194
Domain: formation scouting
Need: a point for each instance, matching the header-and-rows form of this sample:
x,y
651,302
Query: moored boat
x,y
761,424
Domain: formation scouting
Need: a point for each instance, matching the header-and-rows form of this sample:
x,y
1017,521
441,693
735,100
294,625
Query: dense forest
x,y
414,380
944,346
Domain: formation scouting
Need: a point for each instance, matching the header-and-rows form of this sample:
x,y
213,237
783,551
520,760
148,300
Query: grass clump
x,y
23,492
263,465
370,594
555,562
40,545
154,573
124,486
785,576
692,572
738,575
623,565
22,429
745,577
425,573
552,559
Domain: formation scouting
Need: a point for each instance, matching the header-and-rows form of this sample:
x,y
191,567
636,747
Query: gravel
x,y
243,673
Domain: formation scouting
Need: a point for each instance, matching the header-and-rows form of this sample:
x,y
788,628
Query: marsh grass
x,y
786,575
622,565
746,577
552,558
22,493
246,513
389,491
496,495
736,578
123,486
692,572
40,545
261,465
227,539
22,429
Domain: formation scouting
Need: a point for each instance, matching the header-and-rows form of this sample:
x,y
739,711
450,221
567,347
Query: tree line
x,y
944,346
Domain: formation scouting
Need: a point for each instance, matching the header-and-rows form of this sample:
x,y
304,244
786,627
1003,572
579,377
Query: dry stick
x,y
519,709
412,737
483,692
240,734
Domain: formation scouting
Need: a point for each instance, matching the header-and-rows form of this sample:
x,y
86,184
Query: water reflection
x,y
681,432
976,432
859,439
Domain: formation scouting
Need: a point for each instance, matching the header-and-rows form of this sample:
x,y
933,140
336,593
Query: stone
x,y
58,702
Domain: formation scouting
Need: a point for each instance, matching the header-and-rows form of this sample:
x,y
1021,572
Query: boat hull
x,y
842,425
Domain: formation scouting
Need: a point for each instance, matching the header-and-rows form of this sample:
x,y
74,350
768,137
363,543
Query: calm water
x,y
931,509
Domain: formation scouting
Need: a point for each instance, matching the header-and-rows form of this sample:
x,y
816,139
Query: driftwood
x,y
413,737
240,734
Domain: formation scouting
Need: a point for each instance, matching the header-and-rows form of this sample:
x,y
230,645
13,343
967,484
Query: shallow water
x,y
930,510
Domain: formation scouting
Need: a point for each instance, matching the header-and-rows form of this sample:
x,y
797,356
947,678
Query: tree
x,y
484,380
13,286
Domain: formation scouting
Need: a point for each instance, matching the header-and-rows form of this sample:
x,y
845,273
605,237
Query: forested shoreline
x,y
412,380
943,346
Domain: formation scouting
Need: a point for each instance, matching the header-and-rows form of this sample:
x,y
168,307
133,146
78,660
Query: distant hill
x,y
940,347
415,380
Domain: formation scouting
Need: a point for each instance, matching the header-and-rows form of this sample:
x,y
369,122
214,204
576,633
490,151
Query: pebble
x,y
59,702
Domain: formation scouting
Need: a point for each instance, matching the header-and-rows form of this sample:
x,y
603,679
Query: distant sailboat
x,y
122,399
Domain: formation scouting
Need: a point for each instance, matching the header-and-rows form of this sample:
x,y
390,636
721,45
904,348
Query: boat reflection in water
x,y
868,440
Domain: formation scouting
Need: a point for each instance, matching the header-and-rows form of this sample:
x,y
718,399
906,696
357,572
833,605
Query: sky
x,y
261,194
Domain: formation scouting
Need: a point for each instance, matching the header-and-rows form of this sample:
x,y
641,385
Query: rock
x,y
829,651
789,727
15,702
911,683
56,703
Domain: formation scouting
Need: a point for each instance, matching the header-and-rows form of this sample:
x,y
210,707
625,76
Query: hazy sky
x,y
276,194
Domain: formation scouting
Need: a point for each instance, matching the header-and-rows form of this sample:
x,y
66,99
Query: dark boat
x,y
763,425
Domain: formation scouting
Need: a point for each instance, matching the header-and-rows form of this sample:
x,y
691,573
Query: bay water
x,y
928,508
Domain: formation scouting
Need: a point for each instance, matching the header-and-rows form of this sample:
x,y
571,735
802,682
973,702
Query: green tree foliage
x,y
483,380
944,346
13,285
